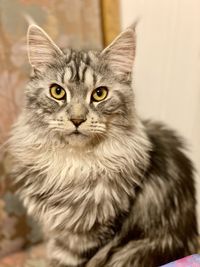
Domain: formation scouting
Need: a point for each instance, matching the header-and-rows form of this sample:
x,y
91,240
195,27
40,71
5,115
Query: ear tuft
x,y
42,50
120,54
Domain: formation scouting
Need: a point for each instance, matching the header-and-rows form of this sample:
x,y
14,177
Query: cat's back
x,y
169,179
167,198
169,150
162,133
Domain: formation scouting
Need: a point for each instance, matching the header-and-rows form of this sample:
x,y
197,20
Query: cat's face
x,y
80,97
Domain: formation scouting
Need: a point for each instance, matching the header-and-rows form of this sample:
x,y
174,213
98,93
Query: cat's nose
x,y
77,122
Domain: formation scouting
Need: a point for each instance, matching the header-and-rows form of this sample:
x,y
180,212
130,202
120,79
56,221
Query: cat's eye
x,y
99,94
57,92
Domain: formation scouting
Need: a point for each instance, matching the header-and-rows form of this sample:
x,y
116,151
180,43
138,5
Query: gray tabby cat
x,y
108,188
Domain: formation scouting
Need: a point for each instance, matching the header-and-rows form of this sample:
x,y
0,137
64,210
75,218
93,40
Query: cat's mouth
x,y
77,133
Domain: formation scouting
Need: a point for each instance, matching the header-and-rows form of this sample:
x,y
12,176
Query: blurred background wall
x,y
166,72
167,68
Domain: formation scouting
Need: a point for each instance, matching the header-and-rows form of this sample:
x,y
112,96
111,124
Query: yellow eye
x,y
57,92
99,93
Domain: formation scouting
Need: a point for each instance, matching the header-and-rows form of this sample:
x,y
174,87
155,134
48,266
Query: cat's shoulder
x,y
169,149
160,134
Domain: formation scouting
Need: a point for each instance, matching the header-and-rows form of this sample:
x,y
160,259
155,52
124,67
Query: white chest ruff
x,y
78,189
80,193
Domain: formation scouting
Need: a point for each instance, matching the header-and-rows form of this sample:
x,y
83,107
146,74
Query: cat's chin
x,y
78,140
82,141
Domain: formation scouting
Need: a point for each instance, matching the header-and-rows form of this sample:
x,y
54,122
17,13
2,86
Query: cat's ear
x,y
42,51
120,54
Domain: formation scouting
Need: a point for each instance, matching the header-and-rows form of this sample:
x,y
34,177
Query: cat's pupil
x,y
58,90
99,92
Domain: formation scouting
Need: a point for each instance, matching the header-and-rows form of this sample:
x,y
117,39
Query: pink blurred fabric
x,y
190,261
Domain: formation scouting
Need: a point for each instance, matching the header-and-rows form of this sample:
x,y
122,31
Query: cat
x,y
109,189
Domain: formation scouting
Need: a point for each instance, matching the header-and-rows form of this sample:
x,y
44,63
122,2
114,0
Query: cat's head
x,y
80,97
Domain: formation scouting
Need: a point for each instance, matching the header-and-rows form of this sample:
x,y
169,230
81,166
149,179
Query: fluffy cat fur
x,y
118,193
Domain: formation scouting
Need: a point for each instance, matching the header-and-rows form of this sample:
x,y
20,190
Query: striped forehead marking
x,y
89,77
68,74
79,73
